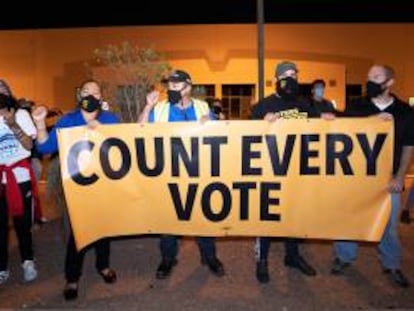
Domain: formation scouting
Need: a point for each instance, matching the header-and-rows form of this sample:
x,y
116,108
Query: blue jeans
x,y
389,246
169,246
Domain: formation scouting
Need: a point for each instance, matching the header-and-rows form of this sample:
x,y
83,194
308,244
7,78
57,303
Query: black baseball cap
x,y
178,76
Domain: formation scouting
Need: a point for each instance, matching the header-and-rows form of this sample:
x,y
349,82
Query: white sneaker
x,y
4,275
29,271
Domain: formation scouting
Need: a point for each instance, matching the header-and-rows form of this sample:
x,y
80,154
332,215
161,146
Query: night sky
x,y
120,12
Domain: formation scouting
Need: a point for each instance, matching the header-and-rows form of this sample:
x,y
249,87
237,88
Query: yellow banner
x,y
296,178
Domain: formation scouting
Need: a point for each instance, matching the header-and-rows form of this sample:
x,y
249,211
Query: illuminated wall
x,y
46,65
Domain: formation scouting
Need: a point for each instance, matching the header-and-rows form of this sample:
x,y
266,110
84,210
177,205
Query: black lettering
x,y
206,202
280,167
248,155
342,156
306,154
183,211
215,143
244,188
125,158
371,155
190,162
159,164
266,201
72,162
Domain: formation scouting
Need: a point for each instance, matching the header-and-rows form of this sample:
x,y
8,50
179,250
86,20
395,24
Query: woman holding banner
x,y
90,113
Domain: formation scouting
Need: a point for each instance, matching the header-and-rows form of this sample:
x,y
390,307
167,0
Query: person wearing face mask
x,y
317,97
179,107
88,112
217,109
18,188
284,103
379,101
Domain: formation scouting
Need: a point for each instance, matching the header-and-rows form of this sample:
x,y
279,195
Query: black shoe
x,y
405,216
396,276
262,273
109,276
165,268
300,263
339,266
70,292
214,264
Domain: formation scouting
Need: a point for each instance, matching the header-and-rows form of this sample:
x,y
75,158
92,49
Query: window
x,y
237,99
204,91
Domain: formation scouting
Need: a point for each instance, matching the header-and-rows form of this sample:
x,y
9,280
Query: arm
x,y
152,100
25,140
39,117
397,183
144,117
46,143
330,107
256,113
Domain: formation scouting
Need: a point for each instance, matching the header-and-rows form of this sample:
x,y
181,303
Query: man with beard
x,y
284,103
380,101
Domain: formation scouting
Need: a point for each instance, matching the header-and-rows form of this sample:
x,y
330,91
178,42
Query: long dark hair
x,y
8,101
5,85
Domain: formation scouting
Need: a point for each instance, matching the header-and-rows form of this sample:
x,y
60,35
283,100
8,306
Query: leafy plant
x,y
127,73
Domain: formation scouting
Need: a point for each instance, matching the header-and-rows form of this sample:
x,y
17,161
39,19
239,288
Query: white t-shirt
x,y
382,106
11,151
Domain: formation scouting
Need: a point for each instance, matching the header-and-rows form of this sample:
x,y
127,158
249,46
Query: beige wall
x,y
46,65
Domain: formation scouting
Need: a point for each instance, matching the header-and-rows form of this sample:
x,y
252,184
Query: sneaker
x,y
396,276
70,292
301,264
262,273
109,276
4,275
339,266
29,271
165,268
215,266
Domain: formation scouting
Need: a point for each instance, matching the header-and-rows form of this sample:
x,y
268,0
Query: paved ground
x,y
191,287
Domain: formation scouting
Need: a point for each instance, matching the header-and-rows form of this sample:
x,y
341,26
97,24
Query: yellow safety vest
x,y
162,110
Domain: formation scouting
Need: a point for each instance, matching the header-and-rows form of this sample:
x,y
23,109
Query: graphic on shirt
x,y
10,148
293,114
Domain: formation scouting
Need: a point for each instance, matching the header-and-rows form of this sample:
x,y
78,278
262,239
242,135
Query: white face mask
x,y
105,105
319,92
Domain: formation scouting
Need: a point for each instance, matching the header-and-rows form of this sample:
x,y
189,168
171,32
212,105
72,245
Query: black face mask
x,y
174,97
375,89
90,103
216,110
287,88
